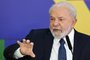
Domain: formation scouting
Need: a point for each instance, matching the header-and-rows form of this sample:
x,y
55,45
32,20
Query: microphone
x,y
68,42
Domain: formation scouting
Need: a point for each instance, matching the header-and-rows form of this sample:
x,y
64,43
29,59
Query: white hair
x,y
64,4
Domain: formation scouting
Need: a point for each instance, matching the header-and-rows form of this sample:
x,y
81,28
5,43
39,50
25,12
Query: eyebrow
x,y
51,16
58,17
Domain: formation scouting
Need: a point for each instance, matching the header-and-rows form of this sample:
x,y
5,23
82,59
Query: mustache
x,y
57,29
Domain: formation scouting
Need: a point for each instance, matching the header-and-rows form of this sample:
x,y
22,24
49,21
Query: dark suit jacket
x,y
43,41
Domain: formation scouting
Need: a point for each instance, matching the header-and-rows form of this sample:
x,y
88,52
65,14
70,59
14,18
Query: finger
x,y
24,41
32,44
19,42
28,41
32,54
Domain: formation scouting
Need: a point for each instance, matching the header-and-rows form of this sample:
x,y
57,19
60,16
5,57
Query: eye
x,y
61,19
52,18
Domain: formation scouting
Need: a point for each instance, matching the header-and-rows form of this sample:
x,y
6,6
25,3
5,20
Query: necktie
x,y
62,51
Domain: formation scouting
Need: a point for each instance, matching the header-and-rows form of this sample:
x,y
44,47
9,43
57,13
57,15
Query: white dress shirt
x,y
55,48
56,45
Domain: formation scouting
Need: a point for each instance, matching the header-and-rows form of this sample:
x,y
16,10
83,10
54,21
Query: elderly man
x,y
60,42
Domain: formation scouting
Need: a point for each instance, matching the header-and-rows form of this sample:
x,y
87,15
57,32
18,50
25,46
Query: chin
x,y
59,34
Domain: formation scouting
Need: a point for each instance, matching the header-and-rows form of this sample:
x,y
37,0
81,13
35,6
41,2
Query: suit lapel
x,y
77,46
48,45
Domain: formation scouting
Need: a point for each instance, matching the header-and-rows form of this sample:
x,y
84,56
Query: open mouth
x,y
56,30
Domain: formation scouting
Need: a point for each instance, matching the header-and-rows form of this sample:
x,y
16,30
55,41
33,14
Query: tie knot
x,y
62,42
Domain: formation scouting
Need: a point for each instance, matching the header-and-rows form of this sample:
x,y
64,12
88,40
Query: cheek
x,y
51,23
66,26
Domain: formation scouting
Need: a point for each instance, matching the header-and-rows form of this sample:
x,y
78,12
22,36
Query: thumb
x,y
32,55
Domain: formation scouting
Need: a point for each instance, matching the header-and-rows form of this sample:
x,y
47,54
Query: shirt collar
x,y
71,37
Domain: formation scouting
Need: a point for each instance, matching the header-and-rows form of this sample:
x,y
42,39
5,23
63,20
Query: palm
x,y
26,48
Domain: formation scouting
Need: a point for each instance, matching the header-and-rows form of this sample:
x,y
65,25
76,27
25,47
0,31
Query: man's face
x,y
61,21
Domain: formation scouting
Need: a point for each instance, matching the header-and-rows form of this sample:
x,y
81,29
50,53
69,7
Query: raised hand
x,y
26,47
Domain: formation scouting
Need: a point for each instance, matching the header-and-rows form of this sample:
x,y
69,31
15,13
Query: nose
x,y
56,23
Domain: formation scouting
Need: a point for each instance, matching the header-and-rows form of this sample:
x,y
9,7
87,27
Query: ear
x,y
74,22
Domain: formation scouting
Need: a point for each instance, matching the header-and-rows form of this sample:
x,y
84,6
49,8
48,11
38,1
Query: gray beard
x,y
62,34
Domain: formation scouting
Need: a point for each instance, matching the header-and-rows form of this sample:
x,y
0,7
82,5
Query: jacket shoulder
x,y
37,33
